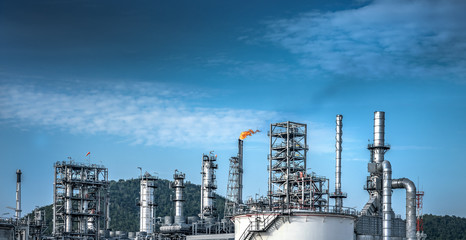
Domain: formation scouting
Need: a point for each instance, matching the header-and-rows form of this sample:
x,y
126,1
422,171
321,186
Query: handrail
x,y
246,231
267,222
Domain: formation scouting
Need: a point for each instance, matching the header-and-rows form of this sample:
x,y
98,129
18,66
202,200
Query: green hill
x,y
444,227
124,196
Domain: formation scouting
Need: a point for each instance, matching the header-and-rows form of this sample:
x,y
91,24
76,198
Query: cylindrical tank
x,y
298,226
178,185
112,233
146,221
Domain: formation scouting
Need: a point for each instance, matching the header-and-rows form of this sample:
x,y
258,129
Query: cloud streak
x,y
424,39
142,113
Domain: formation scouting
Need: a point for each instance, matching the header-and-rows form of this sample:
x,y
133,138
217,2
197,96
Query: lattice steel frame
x,y
287,161
80,207
235,183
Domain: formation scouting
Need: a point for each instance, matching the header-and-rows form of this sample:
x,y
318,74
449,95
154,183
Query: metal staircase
x,y
259,225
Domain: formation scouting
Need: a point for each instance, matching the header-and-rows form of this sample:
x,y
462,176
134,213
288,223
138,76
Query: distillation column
x,y
179,226
18,194
208,186
178,185
147,203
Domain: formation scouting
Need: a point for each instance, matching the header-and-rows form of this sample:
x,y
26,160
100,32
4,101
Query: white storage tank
x,y
312,226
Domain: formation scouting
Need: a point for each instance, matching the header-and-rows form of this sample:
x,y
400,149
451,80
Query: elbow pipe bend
x,y
410,205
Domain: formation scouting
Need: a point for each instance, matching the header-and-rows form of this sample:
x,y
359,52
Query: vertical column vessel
x,y
147,204
208,186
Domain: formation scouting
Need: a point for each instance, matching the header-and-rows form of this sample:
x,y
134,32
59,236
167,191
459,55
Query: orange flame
x,y
244,134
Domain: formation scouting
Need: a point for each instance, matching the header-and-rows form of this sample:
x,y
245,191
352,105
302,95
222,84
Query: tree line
x,y
124,209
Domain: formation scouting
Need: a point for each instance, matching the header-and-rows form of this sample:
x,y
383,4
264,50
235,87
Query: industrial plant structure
x,y
80,200
297,205
147,204
234,195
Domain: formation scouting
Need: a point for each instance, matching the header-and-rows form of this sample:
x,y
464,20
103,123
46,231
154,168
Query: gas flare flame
x,y
244,134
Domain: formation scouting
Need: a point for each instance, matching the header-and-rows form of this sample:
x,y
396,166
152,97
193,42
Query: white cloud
x,y
422,39
142,113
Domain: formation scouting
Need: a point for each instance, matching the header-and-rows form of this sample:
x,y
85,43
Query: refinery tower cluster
x,y
298,204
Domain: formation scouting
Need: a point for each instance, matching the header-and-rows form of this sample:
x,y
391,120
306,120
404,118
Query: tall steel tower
x,y
420,216
338,195
377,153
80,200
235,182
18,194
287,163
178,185
208,186
147,203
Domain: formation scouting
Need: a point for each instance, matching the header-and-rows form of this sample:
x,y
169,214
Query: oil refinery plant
x,y
298,204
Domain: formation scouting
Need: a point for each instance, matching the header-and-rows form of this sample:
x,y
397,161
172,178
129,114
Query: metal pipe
x,y
379,126
201,214
54,218
379,136
175,228
270,168
107,211
410,205
287,186
240,170
68,206
18,194
339,133
387,201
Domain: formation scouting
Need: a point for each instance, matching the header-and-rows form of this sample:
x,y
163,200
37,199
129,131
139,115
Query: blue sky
x,y
155,84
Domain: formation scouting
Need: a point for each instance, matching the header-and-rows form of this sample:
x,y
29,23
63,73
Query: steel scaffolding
x,y
80,200
290,187
235,183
